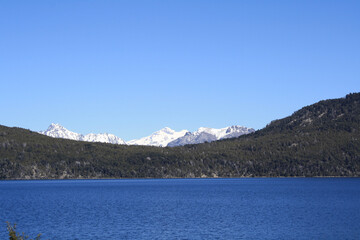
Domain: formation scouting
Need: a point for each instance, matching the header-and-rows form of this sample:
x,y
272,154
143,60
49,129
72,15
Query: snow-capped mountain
x,y
192,138
210,134
103,137
227,132
58,131
160,138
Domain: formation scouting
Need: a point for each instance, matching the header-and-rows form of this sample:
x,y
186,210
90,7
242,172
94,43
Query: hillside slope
x,y
322,139
318,140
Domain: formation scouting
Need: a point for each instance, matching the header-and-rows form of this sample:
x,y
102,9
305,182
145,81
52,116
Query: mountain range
x,y
162,138
322,139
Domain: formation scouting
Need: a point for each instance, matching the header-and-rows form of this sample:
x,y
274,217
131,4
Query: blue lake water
x,y
250,208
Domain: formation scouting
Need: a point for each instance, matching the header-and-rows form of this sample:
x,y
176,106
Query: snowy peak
x,y
165,130
54,126
159,138
227,132
193,138
204,134
203,129
58,131
103,137
235,131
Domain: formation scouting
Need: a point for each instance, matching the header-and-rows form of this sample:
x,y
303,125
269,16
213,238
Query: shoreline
x,y
172,178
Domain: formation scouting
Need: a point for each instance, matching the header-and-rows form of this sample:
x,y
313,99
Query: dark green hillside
x,y
318,140
25,154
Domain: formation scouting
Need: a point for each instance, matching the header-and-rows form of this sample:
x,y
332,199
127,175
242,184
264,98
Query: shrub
x,y
13,235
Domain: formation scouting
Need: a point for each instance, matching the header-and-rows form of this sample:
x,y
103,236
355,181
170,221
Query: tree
x,y
13,235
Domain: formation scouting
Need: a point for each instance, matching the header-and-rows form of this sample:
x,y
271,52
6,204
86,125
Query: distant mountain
x,y
210,134
160,138
58,131
103,137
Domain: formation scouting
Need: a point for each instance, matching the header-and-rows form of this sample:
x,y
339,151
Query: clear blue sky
x,y
133,67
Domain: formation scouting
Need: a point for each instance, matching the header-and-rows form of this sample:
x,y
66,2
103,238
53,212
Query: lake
x,y
248,208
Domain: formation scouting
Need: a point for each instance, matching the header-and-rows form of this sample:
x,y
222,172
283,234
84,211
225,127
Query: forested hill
x,y
337,114
318,140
